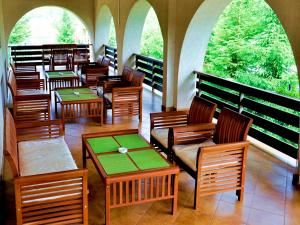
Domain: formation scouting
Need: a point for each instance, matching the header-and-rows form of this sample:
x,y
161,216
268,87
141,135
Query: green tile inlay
x,y
103,144
148,159
131,141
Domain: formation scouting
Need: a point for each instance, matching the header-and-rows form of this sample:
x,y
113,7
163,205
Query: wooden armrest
x,y
39,129
192,133
168,119
227,146
126,89
110,84
32,97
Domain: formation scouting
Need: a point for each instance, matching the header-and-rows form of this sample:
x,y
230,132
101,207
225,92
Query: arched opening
x,y
143,44
105,30
278,66
152,41
49,25
249,45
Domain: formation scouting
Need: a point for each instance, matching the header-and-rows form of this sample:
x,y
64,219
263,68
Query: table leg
x,y
107,205
83,155
175,194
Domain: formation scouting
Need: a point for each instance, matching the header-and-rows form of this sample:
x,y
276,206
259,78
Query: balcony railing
x,y
111,53
153,69
38,55
276,117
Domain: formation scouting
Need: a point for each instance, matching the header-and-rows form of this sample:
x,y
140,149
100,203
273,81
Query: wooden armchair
x,y
60,57
91,72
48,186
80,57
30,100
125,99
219,163
201,112
114,81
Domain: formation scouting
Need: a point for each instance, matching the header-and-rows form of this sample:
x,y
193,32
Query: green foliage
x,y
152,43
66,31
21,31
112,35
249,45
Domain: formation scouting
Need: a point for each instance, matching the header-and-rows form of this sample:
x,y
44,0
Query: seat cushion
x,y
108,96
44,156
161,135
32,92
188,153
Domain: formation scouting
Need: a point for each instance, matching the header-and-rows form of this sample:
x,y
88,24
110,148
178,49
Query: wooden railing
x,y
37,55
153,69
111,53
276,117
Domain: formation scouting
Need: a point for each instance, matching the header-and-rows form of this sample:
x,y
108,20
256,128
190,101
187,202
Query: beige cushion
x,y
44,156
31,92
188,153
108,96
161,135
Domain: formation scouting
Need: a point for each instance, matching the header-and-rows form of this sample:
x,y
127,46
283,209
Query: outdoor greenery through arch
x,y
249,45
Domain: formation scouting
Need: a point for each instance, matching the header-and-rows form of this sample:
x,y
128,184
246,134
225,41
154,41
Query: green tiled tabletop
x,y
68,91
148,159
103,144
78,97
58,74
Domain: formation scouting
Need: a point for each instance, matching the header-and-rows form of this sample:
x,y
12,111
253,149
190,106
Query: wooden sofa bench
x,y
49,188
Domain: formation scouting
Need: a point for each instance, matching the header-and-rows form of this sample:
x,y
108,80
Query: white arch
x,y
194,48
103,22
133,30
55,6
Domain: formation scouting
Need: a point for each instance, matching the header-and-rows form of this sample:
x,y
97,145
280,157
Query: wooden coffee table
x,y
61,79
139,176
78,102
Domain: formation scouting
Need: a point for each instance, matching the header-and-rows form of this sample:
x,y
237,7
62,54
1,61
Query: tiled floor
x,y
269,199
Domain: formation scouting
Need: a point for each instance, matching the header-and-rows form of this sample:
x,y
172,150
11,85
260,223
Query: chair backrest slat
x,y
12,83
127,74
231,127
201,111
137,79
11,146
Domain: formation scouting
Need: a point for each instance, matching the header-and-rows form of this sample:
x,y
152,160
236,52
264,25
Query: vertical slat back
x,y
201,111
127,74
12,83
137,79
11,146
231,127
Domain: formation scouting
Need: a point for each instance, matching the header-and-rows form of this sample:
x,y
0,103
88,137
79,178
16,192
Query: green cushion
x,y
61,74
103,144
78,97
148,159
131,141
116,163
70,91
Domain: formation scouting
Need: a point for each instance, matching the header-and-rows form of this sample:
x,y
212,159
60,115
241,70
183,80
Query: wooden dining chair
x,y
201,111
219,163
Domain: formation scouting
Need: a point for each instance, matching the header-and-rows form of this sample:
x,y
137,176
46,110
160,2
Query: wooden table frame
x,y
79,108
133,187
61,82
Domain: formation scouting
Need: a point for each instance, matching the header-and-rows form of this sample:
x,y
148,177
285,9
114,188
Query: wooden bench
x,y
49,188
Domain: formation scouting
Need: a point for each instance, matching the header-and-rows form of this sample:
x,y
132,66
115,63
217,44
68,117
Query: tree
x,y
112,35
21,32
66,31
249,45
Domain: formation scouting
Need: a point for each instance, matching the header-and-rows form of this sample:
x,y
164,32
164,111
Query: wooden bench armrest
x,y
32,97
58,193
126,89
39,130
192,133
168,119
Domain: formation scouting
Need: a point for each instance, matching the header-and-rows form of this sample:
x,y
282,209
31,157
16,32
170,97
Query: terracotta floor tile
x,y
260,217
